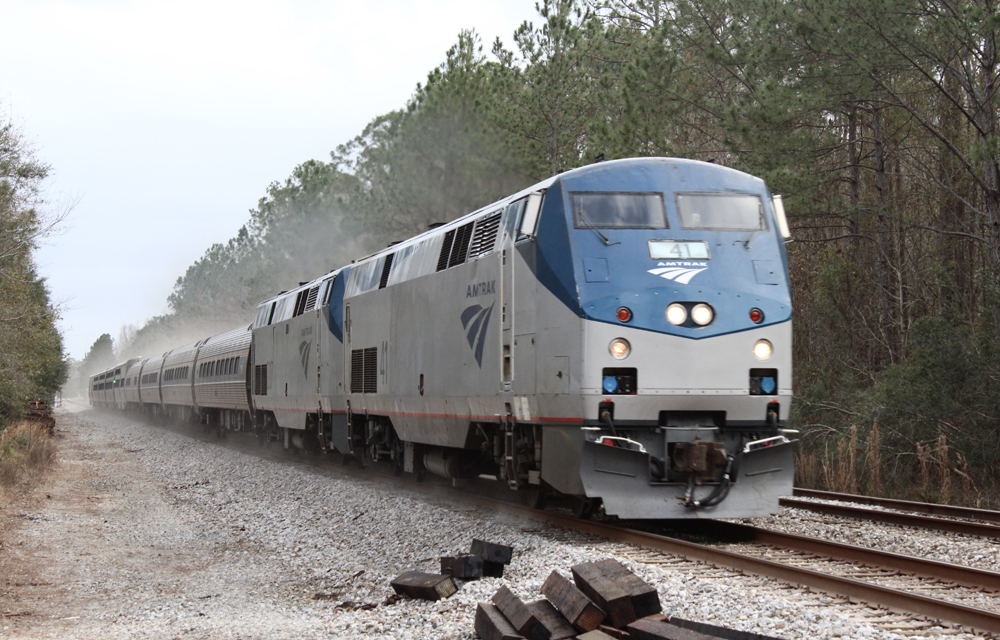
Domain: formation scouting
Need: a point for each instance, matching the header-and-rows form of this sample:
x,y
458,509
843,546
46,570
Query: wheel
x,y
535,498
583,508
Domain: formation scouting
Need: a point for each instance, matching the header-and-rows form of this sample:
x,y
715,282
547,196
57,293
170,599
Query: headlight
x,y
762,350
677,314
702,314
619,348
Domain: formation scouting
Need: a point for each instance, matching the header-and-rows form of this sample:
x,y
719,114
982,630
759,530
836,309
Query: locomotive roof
x,y
580,172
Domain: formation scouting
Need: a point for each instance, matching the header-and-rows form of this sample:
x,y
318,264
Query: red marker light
x,y
624,314
756,315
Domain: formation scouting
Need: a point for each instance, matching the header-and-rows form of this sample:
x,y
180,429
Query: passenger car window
x,y
721,211
609,210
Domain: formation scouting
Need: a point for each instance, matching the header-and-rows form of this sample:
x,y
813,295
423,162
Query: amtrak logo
x,y
680,272
304,355
476,319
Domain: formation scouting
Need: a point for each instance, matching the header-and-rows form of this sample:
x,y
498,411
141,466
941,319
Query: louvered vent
x,y
460,248
311,298
445,250
386,268
485,236
364,370
371,370
300,303
260,380
358,371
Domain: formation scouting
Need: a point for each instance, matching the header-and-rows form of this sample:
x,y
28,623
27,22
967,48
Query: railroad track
x,y
964,526
927,508
939,591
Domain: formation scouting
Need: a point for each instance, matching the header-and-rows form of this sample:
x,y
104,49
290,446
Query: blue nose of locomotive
x,y
681,247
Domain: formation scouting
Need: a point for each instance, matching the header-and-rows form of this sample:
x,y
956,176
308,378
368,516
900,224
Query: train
x,y
617,337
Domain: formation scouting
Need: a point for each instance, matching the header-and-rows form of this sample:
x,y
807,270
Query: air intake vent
x,y
445,250
358,371
371,370
485,236
260,380
311,298
460,248
364,370
300,303
386,268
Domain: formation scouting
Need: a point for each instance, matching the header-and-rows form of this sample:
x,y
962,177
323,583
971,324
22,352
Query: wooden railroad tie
x,y
463,567
520,616
572,603
492,625
427,586
495,557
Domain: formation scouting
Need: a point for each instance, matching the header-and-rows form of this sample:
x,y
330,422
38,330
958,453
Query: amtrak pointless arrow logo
x,y
476,319
680,272
304,355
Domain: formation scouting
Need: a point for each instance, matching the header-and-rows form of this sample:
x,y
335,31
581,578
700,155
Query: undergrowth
x,y
27,450
857,462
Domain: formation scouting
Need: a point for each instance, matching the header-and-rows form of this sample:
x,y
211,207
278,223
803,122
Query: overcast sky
x,y
164,122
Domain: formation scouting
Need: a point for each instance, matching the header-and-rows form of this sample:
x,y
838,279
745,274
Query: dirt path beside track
x,y
102,549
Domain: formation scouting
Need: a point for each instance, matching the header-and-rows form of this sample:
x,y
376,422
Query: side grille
x,y
485,236
311,298
357,371
371,370
260,380
460,249
364,370
445,250
386,268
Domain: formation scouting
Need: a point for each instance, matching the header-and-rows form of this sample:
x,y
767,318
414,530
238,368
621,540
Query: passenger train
x,y
618,335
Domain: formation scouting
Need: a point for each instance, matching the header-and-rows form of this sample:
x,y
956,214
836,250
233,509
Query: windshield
x,y
721,211
608,210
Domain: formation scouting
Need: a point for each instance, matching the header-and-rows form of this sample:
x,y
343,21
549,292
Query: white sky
x,y
165,121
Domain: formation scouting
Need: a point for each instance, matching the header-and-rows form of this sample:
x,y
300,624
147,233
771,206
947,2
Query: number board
x,y
678,250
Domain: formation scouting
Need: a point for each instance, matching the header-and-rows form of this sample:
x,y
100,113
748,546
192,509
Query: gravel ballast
x,y
142,532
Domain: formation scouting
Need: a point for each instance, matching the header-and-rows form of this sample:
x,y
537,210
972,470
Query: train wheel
x,y
583,508
535,498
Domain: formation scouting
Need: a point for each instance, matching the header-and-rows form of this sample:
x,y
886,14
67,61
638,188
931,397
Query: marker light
x,y
762,350
624,314
767,385
702,314
619,348
676,314
610,384
756,316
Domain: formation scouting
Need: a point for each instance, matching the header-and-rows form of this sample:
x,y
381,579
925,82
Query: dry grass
x,y
854,462
27,450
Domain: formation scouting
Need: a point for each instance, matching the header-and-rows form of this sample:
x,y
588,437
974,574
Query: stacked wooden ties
x,y
605,601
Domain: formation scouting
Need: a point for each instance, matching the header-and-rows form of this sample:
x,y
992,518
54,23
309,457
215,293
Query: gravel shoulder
x,y
141,532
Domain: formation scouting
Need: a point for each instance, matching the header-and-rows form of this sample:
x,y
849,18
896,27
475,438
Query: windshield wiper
x,y
596,230
761,225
